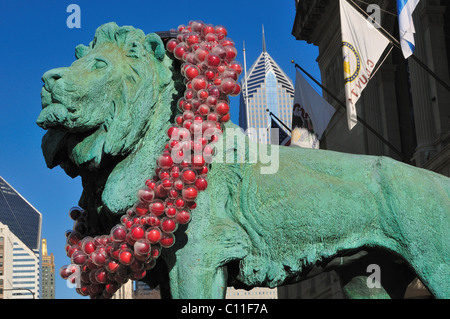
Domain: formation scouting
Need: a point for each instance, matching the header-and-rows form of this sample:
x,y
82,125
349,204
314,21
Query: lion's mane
x,y
119,154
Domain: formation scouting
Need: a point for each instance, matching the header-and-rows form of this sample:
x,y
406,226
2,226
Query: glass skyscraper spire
x,y
265,88
20,216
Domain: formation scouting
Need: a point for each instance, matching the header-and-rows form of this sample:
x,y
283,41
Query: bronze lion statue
x,y
260,222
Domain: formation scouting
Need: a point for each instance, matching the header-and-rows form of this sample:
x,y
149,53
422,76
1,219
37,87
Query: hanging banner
x,y
304,138
311,111
362,47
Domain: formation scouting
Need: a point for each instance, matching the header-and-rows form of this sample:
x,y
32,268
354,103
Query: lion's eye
x,y
99,64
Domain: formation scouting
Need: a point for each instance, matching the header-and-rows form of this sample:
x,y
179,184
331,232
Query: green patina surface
x,y
107,117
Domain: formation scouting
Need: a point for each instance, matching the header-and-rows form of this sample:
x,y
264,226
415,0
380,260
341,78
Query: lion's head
x,y
110,89
107,104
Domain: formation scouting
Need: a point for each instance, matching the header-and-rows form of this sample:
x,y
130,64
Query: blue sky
x,y
35,38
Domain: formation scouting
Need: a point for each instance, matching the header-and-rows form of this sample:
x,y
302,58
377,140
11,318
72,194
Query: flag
x,y
362,47
278,136
305,138
310,109
405,9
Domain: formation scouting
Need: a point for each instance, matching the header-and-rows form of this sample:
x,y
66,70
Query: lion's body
x,y
319,204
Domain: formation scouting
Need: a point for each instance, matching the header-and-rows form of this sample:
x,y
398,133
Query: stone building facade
x,y
403,102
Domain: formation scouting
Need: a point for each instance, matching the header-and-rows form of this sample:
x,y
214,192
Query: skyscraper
x,y
19,267
21,231
21,217
125,291
143,291
6,251
48,273
265,88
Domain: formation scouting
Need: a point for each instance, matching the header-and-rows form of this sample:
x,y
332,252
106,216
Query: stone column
x,y
389,108
432,19
420,91
371,113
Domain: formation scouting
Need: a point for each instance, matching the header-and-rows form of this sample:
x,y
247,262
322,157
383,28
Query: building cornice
x,y
308,24
308,15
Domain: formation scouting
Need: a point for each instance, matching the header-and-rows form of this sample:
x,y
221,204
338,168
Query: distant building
x,y
125,292
21,225
6,255
255,293
19,268
323,286
143,291
22,218
48,273
265,88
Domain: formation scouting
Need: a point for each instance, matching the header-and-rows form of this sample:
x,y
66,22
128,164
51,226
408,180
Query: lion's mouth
x,y
53,116
59,121
57,145
46,97
68,128
53,147
55,113
49,97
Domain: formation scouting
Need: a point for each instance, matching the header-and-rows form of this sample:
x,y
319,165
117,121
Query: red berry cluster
x,y
101,264
106,262
210,71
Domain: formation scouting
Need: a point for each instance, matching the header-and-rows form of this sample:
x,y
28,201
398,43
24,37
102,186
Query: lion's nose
x,y
49,78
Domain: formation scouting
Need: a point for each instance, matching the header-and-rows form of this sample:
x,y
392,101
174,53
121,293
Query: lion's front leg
x,y
194,277
197,266
197,269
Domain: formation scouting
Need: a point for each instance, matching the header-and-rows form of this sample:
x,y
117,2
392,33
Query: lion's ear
x,y
80,51
154,44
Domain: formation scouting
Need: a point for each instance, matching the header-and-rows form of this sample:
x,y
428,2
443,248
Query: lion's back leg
x,y
419,221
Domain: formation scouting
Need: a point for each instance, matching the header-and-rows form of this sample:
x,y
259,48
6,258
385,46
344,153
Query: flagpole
x,y
245,82
396,43
392,147
271,114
